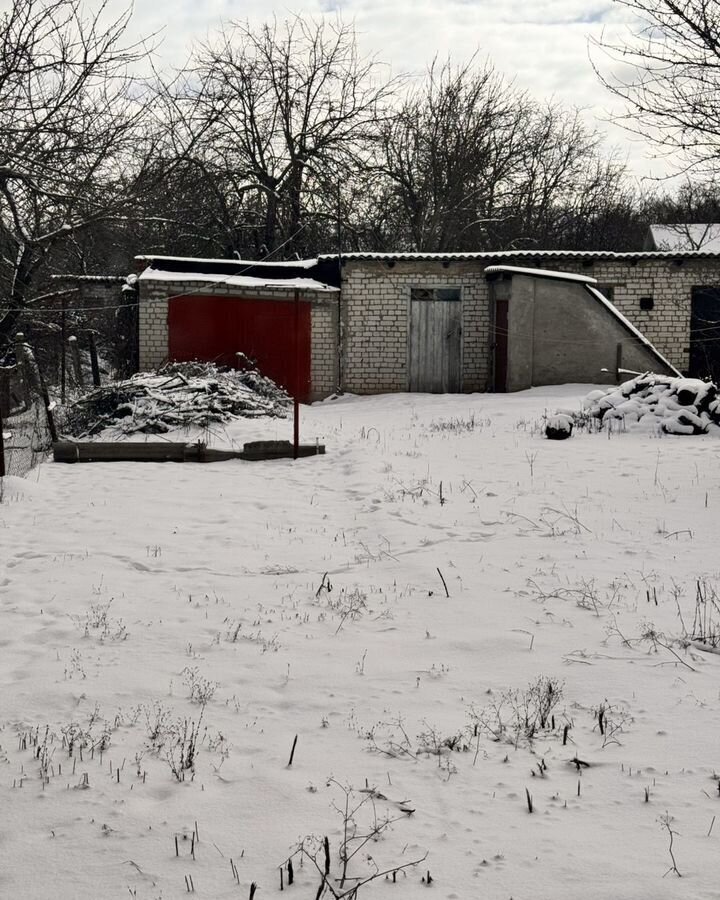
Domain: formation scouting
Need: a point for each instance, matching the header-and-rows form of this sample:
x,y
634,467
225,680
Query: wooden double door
x,y
435,341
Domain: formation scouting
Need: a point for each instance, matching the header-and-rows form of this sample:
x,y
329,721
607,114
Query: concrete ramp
x,y
558,328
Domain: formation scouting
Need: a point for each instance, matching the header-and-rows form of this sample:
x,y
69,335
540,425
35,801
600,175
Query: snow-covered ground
x,y
149,612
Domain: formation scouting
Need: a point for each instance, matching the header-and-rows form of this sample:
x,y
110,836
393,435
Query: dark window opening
x,y
450,294
705,333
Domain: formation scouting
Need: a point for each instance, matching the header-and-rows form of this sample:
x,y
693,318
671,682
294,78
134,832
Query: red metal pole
x,y
296,401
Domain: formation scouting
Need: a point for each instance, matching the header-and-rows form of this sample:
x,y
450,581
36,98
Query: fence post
x,y
296,379
94,359
63,332
48,411
2,447
4,390
21,359
75,354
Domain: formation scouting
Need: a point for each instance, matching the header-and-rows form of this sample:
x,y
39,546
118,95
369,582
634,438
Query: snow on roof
x,y
291,264
683,237
541,273
239,281
89,278
524,254
615,312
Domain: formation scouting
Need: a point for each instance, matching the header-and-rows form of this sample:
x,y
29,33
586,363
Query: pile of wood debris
x,y
180,395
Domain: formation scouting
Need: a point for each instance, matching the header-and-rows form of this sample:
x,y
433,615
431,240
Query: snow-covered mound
x,y
672,405
178,395
559,427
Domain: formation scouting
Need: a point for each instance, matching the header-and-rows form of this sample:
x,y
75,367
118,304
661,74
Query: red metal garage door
x,y
214,329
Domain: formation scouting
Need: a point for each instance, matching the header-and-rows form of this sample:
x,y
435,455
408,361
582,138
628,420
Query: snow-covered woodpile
x,y
176,396
671,405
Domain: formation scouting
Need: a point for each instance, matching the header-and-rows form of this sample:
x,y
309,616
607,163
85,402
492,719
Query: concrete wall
x,y
153,325
560,333
521,331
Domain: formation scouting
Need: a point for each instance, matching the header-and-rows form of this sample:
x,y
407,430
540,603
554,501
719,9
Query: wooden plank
x,y
2,446
417,335
258,450
127,451
453,339
169,451
435,351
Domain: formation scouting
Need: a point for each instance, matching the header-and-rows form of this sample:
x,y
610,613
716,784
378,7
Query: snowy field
x,y
548,730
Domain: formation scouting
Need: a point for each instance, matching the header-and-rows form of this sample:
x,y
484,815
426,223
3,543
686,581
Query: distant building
x,y
682,237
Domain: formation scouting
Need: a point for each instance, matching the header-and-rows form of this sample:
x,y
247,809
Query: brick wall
x,y
324,363
153,325
375,308
375,312
667,324
153,322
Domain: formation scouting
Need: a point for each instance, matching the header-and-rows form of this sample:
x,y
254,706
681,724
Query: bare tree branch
x,y
667,72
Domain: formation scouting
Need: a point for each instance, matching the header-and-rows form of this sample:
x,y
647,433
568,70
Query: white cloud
x,y
542,46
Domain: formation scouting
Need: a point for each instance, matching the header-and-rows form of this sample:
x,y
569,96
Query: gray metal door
x,y
435,353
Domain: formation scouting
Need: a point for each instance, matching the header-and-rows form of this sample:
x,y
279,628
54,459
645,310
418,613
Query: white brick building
x,y
367,310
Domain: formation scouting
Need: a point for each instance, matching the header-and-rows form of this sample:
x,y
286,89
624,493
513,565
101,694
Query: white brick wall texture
x,y
375,308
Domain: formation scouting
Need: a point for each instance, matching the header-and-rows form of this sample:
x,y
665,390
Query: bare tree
x,y
471,163
563,179
668,74
447,151
71,122
289,108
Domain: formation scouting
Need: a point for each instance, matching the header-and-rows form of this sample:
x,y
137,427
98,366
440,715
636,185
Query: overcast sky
x,y
543,46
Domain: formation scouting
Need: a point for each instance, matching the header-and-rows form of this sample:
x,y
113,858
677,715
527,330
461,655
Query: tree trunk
x,y
295,191
18,297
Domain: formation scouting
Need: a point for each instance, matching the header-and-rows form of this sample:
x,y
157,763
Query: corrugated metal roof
x,y
257,263
589,255
324,271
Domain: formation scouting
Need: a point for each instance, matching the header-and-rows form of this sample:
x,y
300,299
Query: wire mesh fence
x,y
82,333
26,434
26,439
63,354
